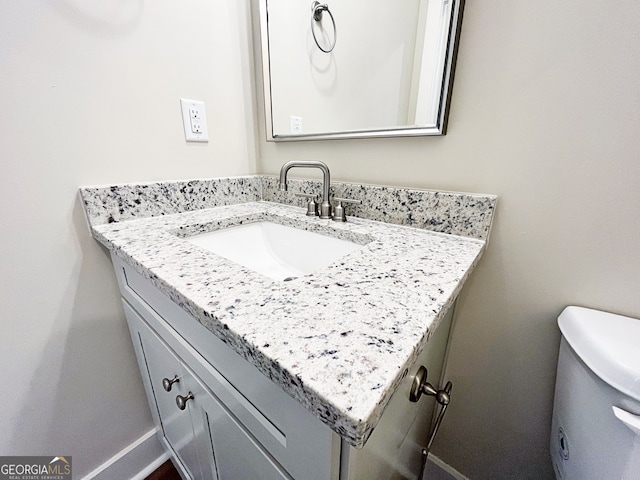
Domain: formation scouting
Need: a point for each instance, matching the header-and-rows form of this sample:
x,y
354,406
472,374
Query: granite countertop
x,y
339,340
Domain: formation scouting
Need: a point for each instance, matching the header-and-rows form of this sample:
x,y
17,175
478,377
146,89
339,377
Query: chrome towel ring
x,y
316,10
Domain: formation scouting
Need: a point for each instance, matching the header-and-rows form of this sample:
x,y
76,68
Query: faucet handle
x,y
312,204
338,210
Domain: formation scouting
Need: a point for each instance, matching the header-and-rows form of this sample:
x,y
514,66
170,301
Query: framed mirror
x,y
357,68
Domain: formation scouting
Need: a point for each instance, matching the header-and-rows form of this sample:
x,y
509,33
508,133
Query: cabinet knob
x,y
182,401
167,384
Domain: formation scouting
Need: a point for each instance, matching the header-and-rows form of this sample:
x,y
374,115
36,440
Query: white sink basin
x,y
276,251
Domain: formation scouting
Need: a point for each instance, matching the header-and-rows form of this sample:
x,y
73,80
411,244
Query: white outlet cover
x,y
194,110
296,124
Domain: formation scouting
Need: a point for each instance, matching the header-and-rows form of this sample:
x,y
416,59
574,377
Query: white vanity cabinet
x,y
238,424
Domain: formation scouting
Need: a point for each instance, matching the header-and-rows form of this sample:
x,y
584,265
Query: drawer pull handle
x,y
167,384
182,401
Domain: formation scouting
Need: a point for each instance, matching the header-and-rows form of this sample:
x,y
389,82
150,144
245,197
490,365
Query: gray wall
x,y
545,114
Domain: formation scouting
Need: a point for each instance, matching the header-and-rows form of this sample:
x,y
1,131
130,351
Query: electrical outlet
x,y
194,119
295,124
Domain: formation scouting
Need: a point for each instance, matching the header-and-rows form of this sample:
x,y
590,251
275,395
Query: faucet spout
x,y
325,206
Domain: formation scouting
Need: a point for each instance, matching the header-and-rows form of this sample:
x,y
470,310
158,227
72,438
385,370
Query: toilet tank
x,y
595,431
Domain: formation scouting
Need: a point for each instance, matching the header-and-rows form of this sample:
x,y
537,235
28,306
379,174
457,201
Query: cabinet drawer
x,y
305,447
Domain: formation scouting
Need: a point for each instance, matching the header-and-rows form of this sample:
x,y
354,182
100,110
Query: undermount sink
x,y
276,251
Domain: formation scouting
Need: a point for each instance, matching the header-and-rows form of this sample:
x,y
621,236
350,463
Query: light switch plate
x,y
194,120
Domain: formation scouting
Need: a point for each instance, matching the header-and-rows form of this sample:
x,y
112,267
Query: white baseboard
x,y
447,469
141,458
135,462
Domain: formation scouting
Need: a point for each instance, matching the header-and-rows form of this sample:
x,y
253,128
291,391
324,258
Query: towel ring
x,y
316,9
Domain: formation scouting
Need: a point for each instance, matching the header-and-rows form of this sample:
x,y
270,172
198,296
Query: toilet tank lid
x,y
608,344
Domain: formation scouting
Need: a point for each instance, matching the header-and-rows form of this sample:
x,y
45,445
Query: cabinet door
x,y
206,437
162,364
219,434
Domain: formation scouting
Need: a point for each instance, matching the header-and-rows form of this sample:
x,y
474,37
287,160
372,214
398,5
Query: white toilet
x,y
595,432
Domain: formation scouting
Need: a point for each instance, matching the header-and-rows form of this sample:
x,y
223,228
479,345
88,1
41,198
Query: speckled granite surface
x,y
117,203
339,340
465,214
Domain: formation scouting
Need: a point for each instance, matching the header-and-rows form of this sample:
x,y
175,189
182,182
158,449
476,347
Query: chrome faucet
x,y
325,206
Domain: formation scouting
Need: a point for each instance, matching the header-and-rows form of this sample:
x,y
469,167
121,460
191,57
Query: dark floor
x,y
166,471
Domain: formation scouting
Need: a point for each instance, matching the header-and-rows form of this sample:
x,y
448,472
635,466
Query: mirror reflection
x,y
357,68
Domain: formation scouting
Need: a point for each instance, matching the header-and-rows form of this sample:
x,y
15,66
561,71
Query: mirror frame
x,y
440,128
